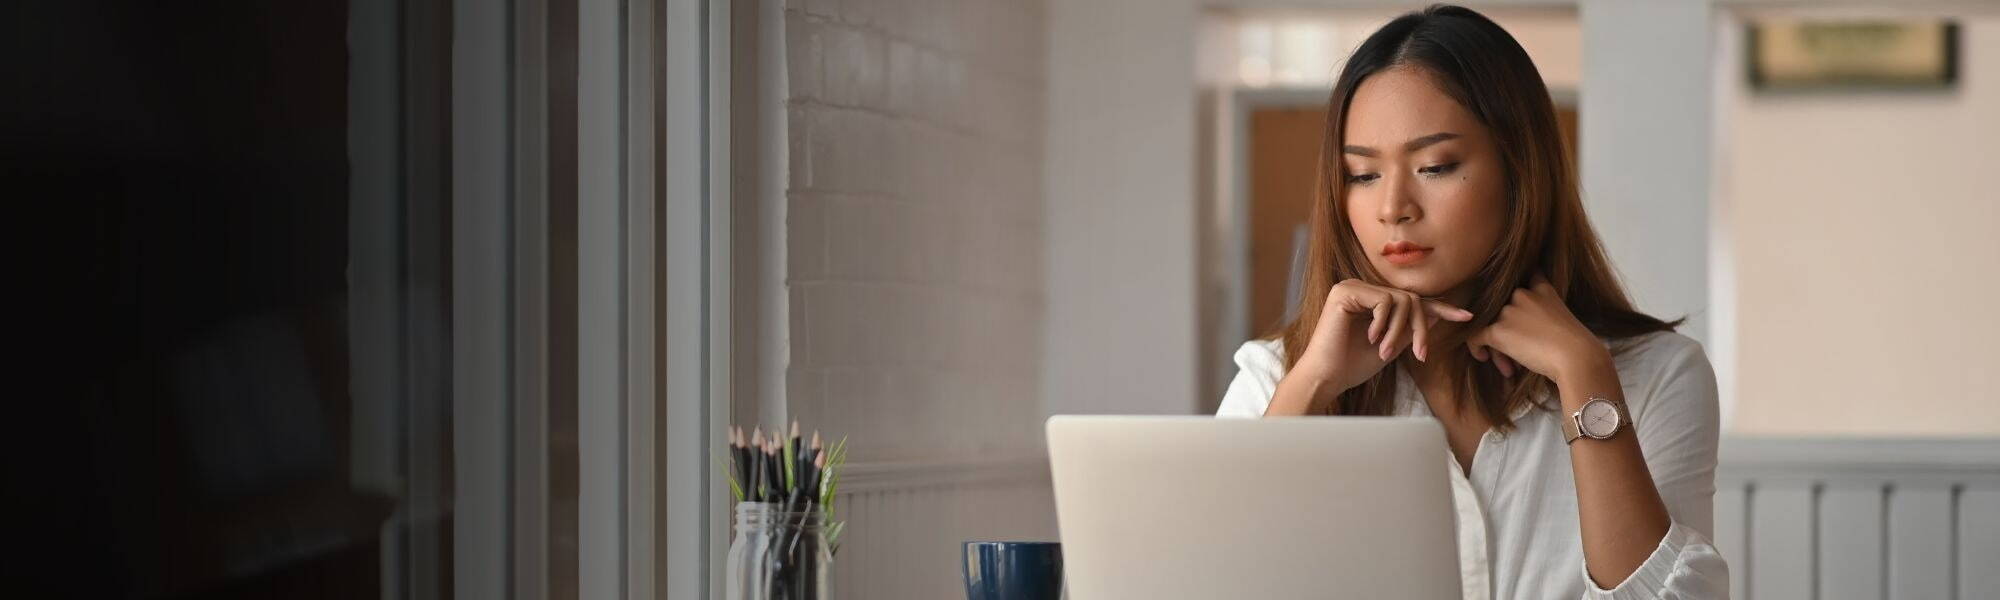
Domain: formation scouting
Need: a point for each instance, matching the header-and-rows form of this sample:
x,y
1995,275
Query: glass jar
x,y
778,554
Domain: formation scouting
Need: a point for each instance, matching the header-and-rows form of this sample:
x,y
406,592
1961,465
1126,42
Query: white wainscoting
x,y
1797,519
906,522
1837,519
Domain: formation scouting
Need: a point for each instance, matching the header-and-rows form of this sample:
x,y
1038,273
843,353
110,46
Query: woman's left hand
x,y
1537,330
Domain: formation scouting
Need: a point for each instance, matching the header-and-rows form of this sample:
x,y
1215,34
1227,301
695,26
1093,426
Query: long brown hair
x,y
1480,66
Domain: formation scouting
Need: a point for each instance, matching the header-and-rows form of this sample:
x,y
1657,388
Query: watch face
x,y
1600,419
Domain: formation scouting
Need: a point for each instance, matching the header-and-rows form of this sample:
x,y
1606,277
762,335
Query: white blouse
x,y
1517,520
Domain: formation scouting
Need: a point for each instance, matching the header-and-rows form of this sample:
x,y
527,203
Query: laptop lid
x,y
1201,507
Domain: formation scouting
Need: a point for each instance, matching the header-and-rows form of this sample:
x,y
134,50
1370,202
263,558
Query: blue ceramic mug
x,y
1013,571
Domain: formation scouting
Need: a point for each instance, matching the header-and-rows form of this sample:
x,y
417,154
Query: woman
x,y
1452,273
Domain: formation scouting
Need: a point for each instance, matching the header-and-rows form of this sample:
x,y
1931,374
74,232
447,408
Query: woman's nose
x,y
1399,206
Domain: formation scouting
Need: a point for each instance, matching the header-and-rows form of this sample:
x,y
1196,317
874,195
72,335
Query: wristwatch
x,y
1598,418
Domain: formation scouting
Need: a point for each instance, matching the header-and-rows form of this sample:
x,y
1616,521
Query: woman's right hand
x,y
1361,327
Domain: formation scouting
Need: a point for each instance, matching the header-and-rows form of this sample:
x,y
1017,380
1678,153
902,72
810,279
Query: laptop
x,y
1205,507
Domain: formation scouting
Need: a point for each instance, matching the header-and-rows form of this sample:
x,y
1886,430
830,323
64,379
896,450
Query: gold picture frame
x,y
1822,55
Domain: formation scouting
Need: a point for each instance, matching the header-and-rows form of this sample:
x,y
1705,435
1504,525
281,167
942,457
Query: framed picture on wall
x,y
1834,55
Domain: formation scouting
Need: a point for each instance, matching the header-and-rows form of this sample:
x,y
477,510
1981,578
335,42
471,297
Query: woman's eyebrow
x,y
1410,146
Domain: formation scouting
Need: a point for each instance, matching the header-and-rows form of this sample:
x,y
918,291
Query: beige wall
x,y
1864,234
1121,331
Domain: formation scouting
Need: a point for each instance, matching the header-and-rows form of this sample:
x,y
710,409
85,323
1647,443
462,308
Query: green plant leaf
x,y
730,475
828,501
836,458
833,532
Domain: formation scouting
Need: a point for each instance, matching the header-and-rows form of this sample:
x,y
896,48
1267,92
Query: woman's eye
x,y
1437,169
1354,178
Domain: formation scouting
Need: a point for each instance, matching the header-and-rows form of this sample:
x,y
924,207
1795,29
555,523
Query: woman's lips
x,y
1404,253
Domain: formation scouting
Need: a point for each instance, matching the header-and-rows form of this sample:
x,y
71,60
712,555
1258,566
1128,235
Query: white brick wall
x,y
914,253
914,224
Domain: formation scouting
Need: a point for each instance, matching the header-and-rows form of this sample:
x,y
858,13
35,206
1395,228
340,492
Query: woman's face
x,y
1426,192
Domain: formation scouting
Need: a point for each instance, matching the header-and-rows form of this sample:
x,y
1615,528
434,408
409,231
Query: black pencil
x,y
814,459
772,481
797,452
756,451
773,469
746,465
735,459
749,467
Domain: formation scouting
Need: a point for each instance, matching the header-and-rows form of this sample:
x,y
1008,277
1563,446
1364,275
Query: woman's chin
x,y
1419,283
